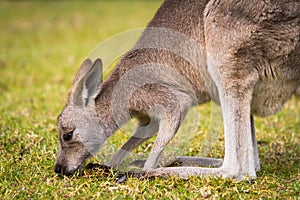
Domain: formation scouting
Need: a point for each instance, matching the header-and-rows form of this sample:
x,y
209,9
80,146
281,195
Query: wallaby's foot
x,y
181,161
186,172
194,162
166,172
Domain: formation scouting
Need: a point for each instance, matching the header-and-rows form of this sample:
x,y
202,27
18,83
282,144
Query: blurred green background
x,y
42,44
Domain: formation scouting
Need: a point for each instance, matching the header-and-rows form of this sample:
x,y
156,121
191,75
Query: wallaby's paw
x,y
95,166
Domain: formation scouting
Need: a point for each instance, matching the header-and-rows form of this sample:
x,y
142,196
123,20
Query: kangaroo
x,y
243,55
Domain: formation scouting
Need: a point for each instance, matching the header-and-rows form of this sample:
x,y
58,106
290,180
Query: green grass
x,y
41,47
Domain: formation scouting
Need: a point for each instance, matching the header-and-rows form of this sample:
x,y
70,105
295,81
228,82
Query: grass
x,y
42,44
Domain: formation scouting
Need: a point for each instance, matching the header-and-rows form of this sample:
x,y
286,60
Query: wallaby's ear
x,y
87,83
84,68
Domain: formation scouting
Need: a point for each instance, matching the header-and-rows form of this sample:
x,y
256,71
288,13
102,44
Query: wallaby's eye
x,y
68,136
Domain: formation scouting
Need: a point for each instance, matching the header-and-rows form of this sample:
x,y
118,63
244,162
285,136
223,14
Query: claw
x,y
121,178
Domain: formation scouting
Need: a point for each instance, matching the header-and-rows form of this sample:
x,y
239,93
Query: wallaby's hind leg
x,y
190,161
239,160
254,144
188,165
141,134
194,162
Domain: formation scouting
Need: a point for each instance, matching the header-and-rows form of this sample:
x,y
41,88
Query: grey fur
x,y
243,55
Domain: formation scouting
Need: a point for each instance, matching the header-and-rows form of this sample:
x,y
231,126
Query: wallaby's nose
x,y
58,169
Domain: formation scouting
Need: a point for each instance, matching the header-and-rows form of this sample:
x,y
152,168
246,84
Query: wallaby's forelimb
x,y
141,134
167,130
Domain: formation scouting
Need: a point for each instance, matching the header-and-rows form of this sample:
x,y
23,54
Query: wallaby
x,y
243,55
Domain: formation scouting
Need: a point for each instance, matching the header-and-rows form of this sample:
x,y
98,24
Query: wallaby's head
x,y
80,133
